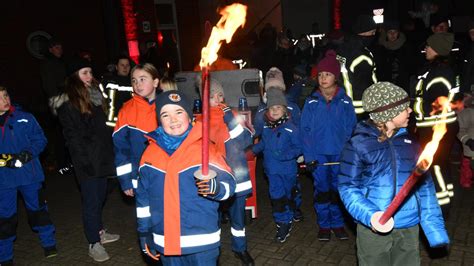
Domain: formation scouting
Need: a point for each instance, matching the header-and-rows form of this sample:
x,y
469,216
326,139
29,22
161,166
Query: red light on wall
x,y
130,25
336,14
159,38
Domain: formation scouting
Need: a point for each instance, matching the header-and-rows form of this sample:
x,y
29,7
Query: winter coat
x,y
136,118
280,146
117,90
466,129
357,69
21,132
53,74
231,139
394,61
436,79
326,126
168,205
372,173
88,140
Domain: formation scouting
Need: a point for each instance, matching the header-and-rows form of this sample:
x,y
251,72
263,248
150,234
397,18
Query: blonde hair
x,y
168,84
382,127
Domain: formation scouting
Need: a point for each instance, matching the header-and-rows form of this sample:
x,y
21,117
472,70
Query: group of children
x,y
363,164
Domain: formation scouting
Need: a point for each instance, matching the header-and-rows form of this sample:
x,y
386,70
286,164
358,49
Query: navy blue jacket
x,y
21,132
281,146
373,172
326,126
259,122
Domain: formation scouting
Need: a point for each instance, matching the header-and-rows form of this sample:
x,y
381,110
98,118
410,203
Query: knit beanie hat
x,y
364,23
441,42
216,86
384,101
274,79
76,64
173,97
275,97
330,64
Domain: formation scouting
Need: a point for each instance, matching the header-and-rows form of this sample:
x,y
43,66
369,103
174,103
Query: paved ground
x,y
302,248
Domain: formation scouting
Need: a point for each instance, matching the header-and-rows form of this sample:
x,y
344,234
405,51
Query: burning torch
x,y
382,221
232,17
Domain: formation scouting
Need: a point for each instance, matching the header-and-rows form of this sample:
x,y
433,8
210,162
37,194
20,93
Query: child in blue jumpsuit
x,y
21,142
281,147
327,123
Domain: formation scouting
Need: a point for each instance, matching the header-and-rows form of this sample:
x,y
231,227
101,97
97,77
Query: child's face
x,y
174,119
326,80
276,111
216,99
144,84
4,102
85,75
401,120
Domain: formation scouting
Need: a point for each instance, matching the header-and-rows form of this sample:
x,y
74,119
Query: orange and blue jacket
x,y
168,204
136,118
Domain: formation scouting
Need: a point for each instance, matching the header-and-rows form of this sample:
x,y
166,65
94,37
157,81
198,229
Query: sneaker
x,y
283,231
108,237
245,258
97,252
340,233
50,252
298,216
324,234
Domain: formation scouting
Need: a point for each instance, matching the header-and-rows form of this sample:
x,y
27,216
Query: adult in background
x,y
53,75
117,88
436,82
394,56
89,140
357,61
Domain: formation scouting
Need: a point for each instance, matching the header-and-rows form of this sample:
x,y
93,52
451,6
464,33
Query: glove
x,y
311,166
207,187
25,156
470,144
10,161
228,115
146,244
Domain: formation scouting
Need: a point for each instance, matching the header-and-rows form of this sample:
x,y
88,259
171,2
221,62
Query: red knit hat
x,y
330,64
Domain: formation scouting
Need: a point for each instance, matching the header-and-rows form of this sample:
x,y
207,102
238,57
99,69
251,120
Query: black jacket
x,y
89,141
53,74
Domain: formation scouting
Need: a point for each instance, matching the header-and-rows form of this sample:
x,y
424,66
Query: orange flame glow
x,y
233,17
439,130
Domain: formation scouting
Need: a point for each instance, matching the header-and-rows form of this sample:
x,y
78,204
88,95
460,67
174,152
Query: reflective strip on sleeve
x,y
124,169
359,60
135,183
234,133
143,212
191,240
227,190
439,80
243,186
237,233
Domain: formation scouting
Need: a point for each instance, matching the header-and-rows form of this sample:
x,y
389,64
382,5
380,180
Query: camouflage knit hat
x,y
384,101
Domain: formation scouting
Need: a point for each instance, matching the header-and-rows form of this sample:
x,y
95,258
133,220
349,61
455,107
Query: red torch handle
x,y
205,120
420,169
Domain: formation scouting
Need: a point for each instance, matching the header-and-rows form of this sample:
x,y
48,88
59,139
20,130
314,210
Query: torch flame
x,y
439,129
233,17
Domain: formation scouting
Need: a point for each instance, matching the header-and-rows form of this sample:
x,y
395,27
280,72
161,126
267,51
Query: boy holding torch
x,y
375,164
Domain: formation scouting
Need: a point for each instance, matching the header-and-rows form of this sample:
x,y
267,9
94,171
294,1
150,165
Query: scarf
x,y
170,143
395,45
96,96
269,122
